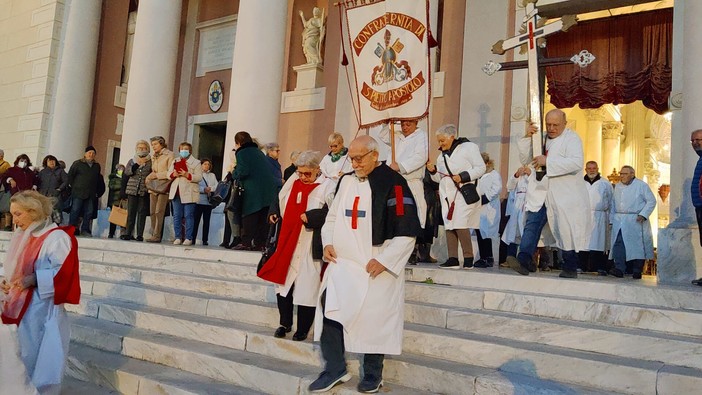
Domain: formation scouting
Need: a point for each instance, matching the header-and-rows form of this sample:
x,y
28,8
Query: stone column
x,y
611,133
257,70
593,145
679,251
70,125
151,74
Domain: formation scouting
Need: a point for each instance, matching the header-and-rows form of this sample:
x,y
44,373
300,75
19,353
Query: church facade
x,y
111,72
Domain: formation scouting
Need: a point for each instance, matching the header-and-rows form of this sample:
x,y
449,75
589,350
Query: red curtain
x,y
633,61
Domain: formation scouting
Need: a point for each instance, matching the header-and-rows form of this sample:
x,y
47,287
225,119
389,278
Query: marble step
x,y
196,252
117,374
256,290
240,368
607,340
672,321
227,270
606,372
608,288
261,342
71,386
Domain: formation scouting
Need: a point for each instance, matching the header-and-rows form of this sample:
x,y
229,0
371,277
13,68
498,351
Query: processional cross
x,y
533,35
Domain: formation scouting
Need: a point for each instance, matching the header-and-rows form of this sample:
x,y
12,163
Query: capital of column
x,y
595,114
612,130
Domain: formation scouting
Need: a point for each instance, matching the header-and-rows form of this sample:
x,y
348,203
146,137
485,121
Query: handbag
x,y
118,216
469,190
236,197
271,245
159,185
220,193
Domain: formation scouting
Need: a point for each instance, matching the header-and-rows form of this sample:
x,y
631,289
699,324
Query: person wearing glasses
x,y
296,265
368,236
272,154
632,240
336,162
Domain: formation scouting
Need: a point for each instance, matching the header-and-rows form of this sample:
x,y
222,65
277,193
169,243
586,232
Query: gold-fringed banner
x,y
389,47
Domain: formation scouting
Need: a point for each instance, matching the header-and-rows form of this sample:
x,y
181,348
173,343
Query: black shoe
x,y
139,238
224,244
412,259
327,381
516,266
241,247
568,274
636,276
125,237
110,236
369,385
204,243
451,262
298,337
616,273
482,263
601,272
697,282
468,263
281,331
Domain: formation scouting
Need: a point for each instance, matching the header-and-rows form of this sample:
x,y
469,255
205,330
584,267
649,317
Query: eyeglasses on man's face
x,y
359,158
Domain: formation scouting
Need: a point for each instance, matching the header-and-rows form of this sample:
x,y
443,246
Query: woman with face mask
x,y
53,181
20,177
137,169
186,173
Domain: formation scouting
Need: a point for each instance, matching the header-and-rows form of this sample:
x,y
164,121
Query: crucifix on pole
x,y
534,32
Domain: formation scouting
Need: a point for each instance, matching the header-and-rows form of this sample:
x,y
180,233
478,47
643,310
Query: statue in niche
x,y
313,35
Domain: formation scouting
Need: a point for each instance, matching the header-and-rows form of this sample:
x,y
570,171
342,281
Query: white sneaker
x,y
187,242
176,242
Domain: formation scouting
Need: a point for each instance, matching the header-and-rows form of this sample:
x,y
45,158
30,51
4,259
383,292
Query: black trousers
x,y
484,246
592,261
203,211
332,343
305,314
255,229
698,214
137,210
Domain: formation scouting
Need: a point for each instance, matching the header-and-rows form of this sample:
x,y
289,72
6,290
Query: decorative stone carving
x,y
519,113
596,114
612,130
676,101
313,35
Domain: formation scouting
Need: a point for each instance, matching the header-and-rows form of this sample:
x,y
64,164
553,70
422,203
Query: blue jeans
x,y
81,208
619,255
181,210
535,222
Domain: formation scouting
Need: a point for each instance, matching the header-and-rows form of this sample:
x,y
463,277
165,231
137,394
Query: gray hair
x,y
294,155
160,140
142,142
447,130
633,171
271,146
2,153
308,159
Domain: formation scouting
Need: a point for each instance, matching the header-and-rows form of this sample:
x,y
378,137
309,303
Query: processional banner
x,y
388,43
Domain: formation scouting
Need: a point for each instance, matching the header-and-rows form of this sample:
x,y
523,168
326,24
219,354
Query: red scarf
x,y
276,268
66,281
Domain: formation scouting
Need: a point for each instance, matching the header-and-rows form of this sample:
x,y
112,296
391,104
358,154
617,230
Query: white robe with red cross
x,y
370,310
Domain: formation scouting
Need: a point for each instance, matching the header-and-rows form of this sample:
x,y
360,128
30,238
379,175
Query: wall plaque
x,y
216,48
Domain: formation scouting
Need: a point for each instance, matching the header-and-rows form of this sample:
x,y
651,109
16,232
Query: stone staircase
x,y
162,319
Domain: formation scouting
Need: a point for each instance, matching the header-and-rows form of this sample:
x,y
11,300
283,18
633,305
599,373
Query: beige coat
x,y
189,189
160,165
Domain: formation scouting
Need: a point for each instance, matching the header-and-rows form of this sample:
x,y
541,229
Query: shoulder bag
x,y
469,190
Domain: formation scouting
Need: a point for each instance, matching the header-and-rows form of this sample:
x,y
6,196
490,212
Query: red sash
x,y
276,268
66,281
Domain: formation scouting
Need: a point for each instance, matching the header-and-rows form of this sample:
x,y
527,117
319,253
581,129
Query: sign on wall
x,y
216,48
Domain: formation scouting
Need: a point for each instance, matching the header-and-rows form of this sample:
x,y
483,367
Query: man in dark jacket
x,y
84,177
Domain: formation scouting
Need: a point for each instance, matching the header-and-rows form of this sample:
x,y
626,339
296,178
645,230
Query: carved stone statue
x,y
313,36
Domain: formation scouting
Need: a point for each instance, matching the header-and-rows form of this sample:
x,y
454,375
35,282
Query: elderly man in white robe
x,y
559,197
411,155
368,236
632,240
600,192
